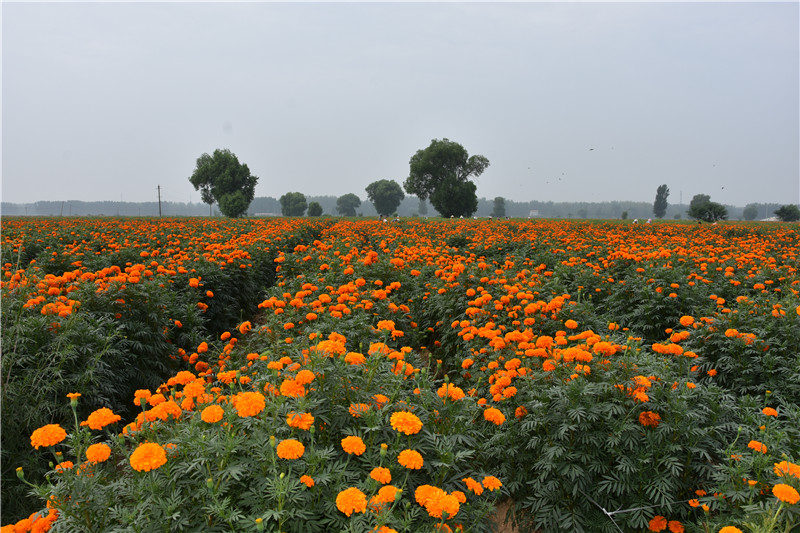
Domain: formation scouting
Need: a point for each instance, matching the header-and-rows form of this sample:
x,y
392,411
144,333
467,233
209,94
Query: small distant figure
x,y
635,220
649,220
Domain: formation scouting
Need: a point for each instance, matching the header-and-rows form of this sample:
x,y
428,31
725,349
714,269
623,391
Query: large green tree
x,y
347,203
314,209
293,204
221,178
660,204
499,208
788,213
702,208
385,195
442,172
750,212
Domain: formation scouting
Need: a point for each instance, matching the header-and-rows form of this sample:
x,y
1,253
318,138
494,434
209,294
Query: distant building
x,y
533,213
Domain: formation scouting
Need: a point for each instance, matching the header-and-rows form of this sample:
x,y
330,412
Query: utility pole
x,y
159,201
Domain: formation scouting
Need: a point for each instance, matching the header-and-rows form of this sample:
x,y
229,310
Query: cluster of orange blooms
x,y
339,276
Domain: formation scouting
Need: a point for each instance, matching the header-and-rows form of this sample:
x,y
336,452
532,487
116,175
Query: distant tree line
x,y
409,206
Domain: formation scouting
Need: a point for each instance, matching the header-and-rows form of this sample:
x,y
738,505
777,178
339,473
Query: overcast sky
x,y
568,101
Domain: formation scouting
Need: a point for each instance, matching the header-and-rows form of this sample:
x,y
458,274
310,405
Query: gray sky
x,y
569,101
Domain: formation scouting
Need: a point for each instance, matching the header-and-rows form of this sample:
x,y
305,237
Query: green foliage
x,y
660,204
347,203
385,195
499,209
442,172
221,178
750,212
314,209
788,213
702,208
293,204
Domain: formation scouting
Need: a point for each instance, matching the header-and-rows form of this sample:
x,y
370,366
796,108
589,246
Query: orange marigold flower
x,y
657,523
308,481
102,418
520,412
48,435
757,446
675,526
290,449
785,468
97,453
248,403
466,363
358,409
424,492
351,501
687,320
769,411
448,390
494,415
148,456
353,445
570,324
64,465
491,483
386,494
355,358
406,422
649,419
381,475
212,414
302,421
473,485
730,529
304,377
442,505
410,459
786,493
292,389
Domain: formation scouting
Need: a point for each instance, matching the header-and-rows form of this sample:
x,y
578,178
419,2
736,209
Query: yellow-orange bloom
x,y
757,446
657,523
302,421
97,453
355,358
148,456
101,418
48,435
785,468
308,481
381,475
353,445
351,501
212,414
786,493
410,459
248,403
649,419
473,485
730,529
769,411
494,416
406,422
290,449
491,483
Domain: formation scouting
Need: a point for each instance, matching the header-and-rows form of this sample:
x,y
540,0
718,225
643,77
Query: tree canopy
x,y
442,172
293,204
347,203
788,213
660,204
385,195
750,212
221,178
314,209
499,207
702,208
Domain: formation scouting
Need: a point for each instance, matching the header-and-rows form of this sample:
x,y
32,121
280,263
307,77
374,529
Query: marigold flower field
x,y
316,375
